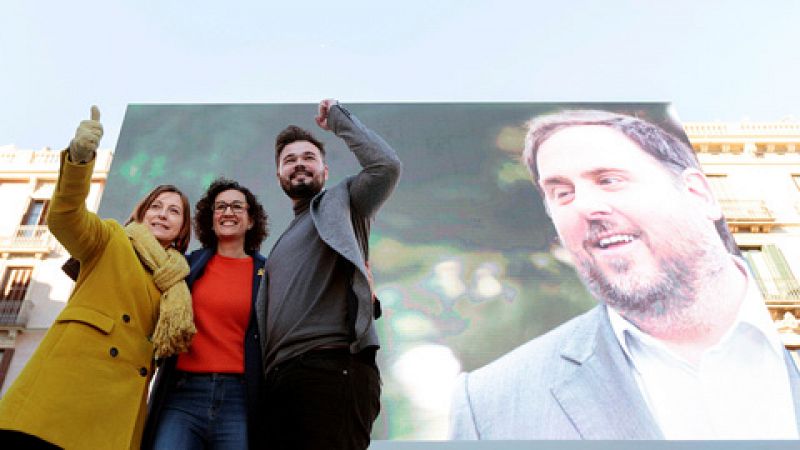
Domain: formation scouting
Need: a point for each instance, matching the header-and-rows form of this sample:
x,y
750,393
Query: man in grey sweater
x,y
316,308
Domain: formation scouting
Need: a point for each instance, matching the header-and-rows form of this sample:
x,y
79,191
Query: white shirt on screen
x,y
738,390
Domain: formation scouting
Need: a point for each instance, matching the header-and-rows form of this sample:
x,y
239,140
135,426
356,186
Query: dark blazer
x,y
165,378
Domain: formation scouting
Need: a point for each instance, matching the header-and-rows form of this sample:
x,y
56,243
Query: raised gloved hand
x,y
87,137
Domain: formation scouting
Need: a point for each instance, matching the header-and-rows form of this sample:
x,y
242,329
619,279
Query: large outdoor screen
x,y
466,260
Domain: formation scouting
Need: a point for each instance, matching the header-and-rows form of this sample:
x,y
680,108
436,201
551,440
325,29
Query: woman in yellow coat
x,y
85,387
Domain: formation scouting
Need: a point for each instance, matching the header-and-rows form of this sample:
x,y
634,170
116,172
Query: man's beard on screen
x,y
666,292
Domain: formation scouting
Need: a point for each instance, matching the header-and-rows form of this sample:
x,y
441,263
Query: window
x,y
37,213
14,287
34,221
5,361
773,274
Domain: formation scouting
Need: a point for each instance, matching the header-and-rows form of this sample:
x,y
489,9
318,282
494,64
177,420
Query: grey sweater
x,y
342,216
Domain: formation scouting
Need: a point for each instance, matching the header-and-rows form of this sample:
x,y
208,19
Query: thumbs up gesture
x,y
87,137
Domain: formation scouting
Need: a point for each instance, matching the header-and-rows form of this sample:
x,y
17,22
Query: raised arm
x,y
81,232
381,168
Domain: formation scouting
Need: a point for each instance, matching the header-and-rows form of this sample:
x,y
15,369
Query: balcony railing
x,y
29,239
12,313
747,215
780,290
13,159
696,129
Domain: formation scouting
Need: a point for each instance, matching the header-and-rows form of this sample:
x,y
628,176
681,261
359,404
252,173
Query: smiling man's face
x,y
633,229
302,171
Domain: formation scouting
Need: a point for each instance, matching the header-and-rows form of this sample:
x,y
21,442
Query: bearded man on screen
x,y
681,345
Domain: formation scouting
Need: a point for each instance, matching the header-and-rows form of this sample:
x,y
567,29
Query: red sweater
x,y
221,298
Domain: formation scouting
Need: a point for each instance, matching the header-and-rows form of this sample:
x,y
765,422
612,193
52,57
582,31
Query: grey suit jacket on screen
x,y
574,382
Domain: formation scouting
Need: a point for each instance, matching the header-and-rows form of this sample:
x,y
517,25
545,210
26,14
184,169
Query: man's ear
x,y
325,173
697,186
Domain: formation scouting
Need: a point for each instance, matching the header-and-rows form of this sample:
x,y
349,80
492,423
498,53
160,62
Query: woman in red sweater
x,y
207,397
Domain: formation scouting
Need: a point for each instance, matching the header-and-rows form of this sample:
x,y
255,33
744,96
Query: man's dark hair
x,y
672,153
204,216
292,134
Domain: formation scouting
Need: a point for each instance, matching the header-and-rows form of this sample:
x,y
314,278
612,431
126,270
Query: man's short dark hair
x,y
672,153
292,134
204,216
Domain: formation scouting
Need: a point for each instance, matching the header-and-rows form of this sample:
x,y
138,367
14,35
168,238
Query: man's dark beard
x,y
301,191
672,292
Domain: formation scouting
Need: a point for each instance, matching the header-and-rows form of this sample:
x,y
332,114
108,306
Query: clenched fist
x,y
87,137
322,112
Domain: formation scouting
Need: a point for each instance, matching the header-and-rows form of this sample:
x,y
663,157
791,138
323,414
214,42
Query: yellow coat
x,y
85,387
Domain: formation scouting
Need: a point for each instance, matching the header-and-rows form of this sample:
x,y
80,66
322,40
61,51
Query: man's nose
x,y
591,203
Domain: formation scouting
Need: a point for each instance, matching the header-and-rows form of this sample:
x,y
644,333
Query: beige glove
x,y
87,137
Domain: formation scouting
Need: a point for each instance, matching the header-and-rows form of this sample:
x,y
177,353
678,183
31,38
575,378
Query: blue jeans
x,y
204,411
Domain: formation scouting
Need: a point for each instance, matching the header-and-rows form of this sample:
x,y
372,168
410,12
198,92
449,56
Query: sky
x,y
715,60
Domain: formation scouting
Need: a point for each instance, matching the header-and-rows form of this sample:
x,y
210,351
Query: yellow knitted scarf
x,y
175,326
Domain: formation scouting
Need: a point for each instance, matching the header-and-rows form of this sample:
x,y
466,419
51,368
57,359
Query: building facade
x,y
754,170
33,288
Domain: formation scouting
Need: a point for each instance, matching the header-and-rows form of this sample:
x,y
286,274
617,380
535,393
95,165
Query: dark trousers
x,y
324,399
11,439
